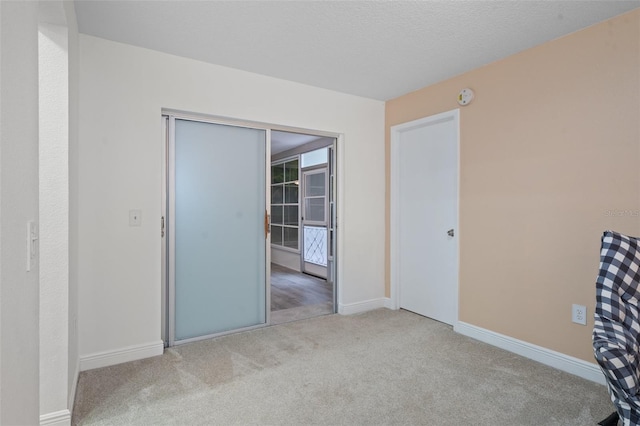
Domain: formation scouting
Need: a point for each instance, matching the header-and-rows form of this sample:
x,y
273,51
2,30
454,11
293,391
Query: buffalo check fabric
x,y
617,322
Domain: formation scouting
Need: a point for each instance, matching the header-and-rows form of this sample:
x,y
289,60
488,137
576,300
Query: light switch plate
x,y
135,217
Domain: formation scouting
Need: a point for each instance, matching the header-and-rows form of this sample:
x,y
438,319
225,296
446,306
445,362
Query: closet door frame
x,y
334,274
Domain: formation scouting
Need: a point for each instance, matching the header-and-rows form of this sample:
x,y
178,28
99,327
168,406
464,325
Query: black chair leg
x,y
612,420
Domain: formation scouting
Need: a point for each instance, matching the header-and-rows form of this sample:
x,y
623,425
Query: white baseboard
x,y
569,364
63,417
389,304
356,308
118,356
285,258
57,418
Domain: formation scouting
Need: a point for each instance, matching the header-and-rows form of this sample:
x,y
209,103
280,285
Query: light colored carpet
x,y
301,312
379,367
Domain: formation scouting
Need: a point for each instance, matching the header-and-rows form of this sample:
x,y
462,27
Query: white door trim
x,y
396,132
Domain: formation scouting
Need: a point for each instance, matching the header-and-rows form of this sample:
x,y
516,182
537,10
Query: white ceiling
x,y
284,141
375,49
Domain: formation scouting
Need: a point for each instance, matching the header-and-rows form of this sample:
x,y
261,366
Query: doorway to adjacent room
x,y
302,226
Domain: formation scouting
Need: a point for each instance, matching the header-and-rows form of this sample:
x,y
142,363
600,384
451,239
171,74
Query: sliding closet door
x,y
219,249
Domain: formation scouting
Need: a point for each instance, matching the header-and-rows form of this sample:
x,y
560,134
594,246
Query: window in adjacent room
x,y
285,204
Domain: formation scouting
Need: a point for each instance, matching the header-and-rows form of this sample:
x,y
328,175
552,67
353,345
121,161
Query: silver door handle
x,y
450,232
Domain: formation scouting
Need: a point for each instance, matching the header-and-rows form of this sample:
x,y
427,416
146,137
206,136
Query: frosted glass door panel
x,y
219,228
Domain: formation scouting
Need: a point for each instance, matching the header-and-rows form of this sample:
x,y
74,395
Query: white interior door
x,y
425,216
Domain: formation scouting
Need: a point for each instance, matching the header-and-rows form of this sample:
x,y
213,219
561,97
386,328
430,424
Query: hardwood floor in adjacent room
x,y
295,295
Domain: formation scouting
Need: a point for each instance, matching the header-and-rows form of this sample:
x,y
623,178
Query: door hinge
x,y
267,224
162,226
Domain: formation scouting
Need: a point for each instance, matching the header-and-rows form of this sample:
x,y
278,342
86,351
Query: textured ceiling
x,y
374,49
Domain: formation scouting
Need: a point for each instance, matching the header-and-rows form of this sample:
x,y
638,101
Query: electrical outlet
x,y
579,314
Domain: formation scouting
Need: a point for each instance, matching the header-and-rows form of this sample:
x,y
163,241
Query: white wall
x,y
58,97
285,258
54,217
19,360
122,92
73,354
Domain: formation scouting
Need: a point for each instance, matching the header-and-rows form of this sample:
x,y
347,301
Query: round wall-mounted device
x,y
465,96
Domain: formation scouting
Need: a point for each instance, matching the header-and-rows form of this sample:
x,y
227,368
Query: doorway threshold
x,y
301,312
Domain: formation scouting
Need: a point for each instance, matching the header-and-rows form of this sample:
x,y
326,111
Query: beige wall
x,y
549,146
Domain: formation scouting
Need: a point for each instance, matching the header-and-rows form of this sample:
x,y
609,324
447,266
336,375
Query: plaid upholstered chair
x,y
617,324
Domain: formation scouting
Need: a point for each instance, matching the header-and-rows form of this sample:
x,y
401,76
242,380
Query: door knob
x,y
450,233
